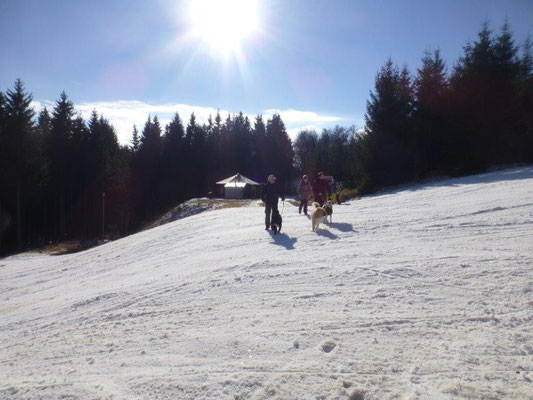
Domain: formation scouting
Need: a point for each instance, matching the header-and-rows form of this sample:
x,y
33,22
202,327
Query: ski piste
x,y
422,292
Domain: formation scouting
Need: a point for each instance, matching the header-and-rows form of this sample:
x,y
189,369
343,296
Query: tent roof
x,y
237,180
235,185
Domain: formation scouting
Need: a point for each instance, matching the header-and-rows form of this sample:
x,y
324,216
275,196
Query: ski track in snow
x,y
421,293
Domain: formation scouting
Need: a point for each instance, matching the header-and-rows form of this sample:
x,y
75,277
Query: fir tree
x,y
388,125
4,177
430,120
174,133
279,149
20,147
172,160
525,96
195,141
526,61
135,141
259,149
60,161
505,54
148,167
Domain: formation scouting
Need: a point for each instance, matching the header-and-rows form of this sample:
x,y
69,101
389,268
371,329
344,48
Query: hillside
x,y
421,293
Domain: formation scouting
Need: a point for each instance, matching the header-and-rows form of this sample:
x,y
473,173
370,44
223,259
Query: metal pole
x,y
103,215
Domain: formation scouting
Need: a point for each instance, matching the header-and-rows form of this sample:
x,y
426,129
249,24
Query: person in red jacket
x,y
320,189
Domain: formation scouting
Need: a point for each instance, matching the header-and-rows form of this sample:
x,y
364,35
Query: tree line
x,y
63,177
435,122
55,167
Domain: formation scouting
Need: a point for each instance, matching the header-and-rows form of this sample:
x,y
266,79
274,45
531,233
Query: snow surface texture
x,y
197,206
423,293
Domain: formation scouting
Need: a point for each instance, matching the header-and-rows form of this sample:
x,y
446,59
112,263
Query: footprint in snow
x,y
357,395
328,346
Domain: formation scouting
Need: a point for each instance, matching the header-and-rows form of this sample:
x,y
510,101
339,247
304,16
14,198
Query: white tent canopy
x,y
234,186
237,180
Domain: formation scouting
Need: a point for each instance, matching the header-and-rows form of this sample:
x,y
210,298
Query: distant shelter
x,y
239,187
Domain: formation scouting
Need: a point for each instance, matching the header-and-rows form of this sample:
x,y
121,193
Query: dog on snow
x,y
276,222
320,214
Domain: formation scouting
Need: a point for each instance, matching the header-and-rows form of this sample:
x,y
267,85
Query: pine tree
x,y
195,141
172,160
79,179
526,61
430,120
280,153
525,95
259,150
44,124
151,140
507,141
174,133
471,90
242,143
135,141
156,130
387,159
59,140
215,143
505,54
20,149
218,123
60,161
191,130
148,167
212,154
478,58
4,178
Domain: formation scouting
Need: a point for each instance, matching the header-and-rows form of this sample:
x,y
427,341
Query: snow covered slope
x,y
424,293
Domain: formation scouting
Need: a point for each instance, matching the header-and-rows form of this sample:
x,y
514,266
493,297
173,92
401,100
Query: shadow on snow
x,y
326,233
282,239
342,226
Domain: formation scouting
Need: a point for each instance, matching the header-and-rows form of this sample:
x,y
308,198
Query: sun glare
x,y
223,25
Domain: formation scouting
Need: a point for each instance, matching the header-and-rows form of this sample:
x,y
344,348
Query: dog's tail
x,y
316,205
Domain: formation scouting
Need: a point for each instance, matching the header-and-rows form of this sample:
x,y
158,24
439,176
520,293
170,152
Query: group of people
x,y
319,191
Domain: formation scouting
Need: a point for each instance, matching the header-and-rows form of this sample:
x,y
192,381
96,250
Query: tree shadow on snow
x,y
342,226
511,174
281,239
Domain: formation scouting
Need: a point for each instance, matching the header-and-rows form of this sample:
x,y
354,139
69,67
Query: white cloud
x,y
293,132
291,116
124,113
36,105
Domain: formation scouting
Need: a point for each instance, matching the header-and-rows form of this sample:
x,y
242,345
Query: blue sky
x,y
314,61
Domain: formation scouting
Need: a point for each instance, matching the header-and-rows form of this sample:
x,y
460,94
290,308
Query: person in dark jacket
x,y
335,192
305,192
270,196
320,189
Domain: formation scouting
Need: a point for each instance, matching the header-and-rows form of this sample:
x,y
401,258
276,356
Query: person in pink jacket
x,y
305,192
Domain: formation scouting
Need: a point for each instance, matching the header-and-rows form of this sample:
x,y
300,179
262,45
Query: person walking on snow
x,y
270,196
335,196
305,192
320,189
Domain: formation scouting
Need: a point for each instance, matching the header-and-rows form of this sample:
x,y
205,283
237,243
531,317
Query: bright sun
x,y
224,24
